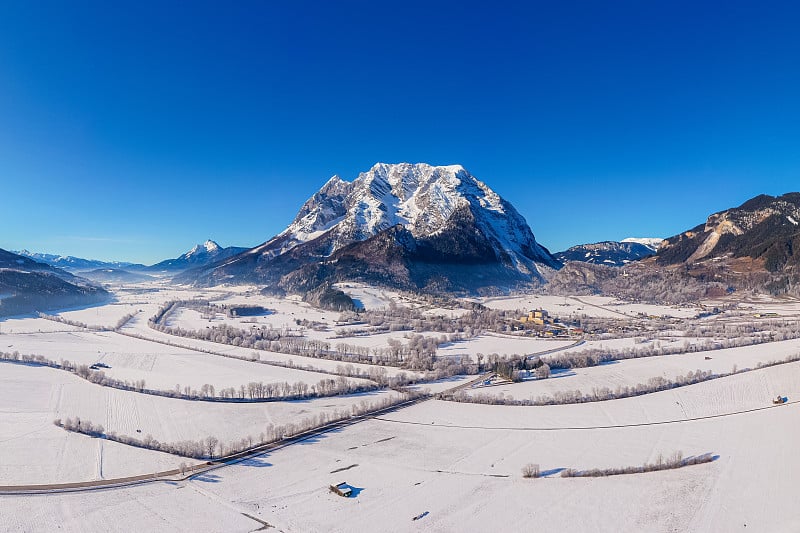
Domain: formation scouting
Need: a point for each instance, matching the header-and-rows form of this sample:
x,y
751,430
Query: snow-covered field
x,y
454,466
501,345
138,326
106,315
32,397
30,325
367,297
161,366
631,372
591,306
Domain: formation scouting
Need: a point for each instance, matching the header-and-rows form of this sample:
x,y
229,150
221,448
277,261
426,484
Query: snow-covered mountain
x,y
73,264
200,255
609,253
654,243
411,225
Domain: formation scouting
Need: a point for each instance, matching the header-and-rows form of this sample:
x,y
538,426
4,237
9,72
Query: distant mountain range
x,y
429,228
27,285
68,262
610,253
411,226
201,255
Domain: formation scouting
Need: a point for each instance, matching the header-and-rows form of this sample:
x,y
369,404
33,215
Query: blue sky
x,y
131,132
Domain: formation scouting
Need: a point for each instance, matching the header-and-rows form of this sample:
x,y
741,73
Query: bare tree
x,y
531,470
211,445
543,372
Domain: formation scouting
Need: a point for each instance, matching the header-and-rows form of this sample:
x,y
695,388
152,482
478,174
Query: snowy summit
x,y
427,214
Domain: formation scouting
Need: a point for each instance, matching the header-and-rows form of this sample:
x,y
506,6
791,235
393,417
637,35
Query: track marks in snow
x,y
100,459
586,428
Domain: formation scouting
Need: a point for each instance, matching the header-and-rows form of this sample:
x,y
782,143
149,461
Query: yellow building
x,y
536,317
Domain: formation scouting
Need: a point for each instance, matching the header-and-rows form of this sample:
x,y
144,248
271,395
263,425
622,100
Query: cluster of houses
x,y
542,324
766,315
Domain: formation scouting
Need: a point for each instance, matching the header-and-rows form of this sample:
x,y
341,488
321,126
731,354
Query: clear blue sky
x,y
133,130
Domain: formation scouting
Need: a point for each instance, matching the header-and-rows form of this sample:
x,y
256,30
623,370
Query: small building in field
x,y
342,489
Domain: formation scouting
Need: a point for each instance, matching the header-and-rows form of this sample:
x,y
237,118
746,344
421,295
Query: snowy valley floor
x,y
453,466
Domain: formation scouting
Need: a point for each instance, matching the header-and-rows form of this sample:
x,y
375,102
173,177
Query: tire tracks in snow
x,y
589,428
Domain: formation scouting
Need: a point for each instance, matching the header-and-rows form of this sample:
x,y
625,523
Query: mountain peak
x,y
208,247
199,255
447,216
211,246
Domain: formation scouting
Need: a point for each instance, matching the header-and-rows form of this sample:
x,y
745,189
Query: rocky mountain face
x,y
610,253
765,229
200,255
412,226
27,285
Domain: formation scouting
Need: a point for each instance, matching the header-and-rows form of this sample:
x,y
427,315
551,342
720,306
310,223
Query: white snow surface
x,y
452,463
448,463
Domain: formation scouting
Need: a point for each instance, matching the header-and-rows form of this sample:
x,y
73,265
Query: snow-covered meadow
x,y
443,462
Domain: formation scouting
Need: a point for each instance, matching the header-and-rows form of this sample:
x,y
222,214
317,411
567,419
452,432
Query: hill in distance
x,y
27,285
610,253
200,255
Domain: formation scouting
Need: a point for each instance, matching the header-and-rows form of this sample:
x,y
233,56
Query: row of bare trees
x,y
211,447
676,460
62,320
596,356
250,392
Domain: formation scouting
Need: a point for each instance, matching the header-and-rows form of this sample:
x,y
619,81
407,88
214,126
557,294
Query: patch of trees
x,y
329,297
234,311
531,470
676,460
